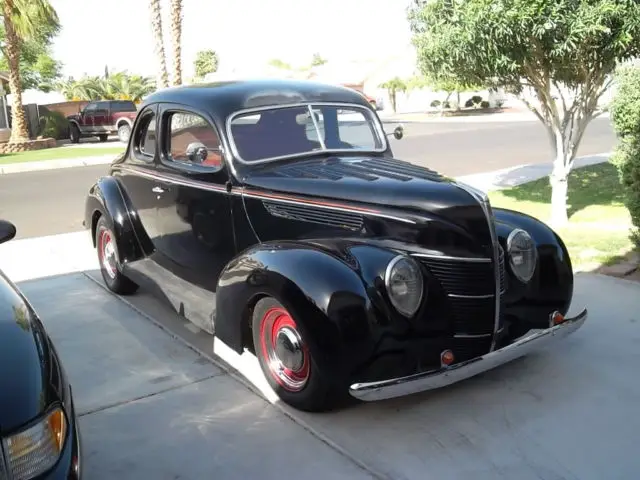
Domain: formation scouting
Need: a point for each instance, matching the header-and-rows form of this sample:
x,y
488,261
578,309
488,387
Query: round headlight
x,y
403,280
523,255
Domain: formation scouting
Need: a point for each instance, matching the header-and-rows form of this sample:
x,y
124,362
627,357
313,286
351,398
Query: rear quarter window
x,y
123,106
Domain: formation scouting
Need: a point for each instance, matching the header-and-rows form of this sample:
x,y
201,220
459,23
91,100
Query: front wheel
x,y
286,361
74,133
124,131
110,265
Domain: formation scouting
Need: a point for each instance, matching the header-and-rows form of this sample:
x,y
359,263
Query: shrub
x,y
436,103
468,103
625,117
54,125
484,104
446,105
476,99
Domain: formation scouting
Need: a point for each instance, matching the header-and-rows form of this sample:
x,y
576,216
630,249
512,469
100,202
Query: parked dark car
x,y
273,215
39,436
103,118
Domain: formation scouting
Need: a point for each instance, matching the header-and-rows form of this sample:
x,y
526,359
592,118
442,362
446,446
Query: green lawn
x,y
599,223
58,153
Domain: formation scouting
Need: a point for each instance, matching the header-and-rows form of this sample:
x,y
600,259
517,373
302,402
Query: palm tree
x,y
156,27
176,38
22,21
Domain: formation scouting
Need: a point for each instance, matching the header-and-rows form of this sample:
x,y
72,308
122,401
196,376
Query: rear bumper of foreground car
x,y
447,375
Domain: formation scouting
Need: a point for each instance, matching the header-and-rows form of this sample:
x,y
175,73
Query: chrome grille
x,y
503,273
459,277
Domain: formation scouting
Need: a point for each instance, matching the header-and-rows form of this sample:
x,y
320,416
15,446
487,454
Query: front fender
x,y
551,288
331,290
106,198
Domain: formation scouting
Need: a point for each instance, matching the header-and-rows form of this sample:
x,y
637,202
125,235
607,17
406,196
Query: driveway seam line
x,y
229,370
148,395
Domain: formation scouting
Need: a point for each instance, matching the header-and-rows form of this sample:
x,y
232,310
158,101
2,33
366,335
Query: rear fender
x,y
106,198
333,297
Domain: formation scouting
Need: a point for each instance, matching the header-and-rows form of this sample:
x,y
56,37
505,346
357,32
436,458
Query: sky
x,y
117,33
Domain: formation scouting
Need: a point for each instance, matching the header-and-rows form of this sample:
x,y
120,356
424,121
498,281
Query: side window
x,y
147,136
90,108
101,108
192,140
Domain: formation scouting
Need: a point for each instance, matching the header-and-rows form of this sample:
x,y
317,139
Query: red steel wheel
x,y
283,351
109,260
107,253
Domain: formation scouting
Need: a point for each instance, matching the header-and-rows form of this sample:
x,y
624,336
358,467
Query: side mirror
x,y
398,132
197,152
7,231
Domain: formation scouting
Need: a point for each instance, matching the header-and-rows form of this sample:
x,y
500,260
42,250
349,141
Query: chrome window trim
x,y
379,130
4,465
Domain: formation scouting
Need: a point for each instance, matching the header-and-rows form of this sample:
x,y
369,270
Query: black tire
x,y
124,132
104,137
111,270
313,391
74,133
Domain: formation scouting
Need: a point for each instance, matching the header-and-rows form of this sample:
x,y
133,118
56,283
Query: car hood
x,y
30,378
382,181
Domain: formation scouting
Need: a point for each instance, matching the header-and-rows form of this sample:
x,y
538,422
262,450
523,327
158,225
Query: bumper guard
x,y
447,375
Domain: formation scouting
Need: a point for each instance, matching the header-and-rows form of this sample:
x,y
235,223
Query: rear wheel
x,y
110,265
124,131
286,361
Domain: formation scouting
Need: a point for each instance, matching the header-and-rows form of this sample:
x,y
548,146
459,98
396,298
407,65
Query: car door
x,y
136,175
101,117
86,118
194,218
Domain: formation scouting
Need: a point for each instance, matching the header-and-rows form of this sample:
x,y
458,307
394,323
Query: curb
x,y
515,117
56,164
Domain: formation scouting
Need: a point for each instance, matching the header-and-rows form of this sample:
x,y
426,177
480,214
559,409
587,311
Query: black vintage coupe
x,y
39,436
273,215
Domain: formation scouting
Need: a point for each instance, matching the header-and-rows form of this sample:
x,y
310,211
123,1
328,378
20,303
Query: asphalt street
x,y
52,202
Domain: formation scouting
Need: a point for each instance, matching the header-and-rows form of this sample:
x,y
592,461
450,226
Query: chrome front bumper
x,y
397,387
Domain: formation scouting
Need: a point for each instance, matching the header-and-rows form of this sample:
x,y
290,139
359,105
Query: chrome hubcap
x,y
283,350
108,259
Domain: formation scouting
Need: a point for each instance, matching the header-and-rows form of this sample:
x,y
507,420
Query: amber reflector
x,y
558,318
447,357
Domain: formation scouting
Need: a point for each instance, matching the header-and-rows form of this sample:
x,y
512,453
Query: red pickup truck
x,y
103,118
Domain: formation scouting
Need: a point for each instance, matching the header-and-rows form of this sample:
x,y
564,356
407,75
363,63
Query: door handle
x,y
157,190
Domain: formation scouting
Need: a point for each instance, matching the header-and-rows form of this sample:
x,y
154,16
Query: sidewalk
x,y
55,164
513,176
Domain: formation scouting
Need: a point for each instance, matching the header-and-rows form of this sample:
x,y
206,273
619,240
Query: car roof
x,y
222,99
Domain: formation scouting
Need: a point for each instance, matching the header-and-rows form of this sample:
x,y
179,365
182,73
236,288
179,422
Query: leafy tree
x,y
394,86
118,86
206,62
276,62
24,21
158,40
176,40
318,60
625,117
38,69
560,52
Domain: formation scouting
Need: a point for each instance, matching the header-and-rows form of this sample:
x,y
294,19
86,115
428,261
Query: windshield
x,y
264,135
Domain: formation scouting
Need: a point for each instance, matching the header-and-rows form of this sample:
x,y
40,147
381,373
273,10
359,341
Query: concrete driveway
x,y
152,407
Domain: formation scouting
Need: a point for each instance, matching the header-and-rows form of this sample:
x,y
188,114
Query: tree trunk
x,y
176,35
156,27
559,180
565,139
19,130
